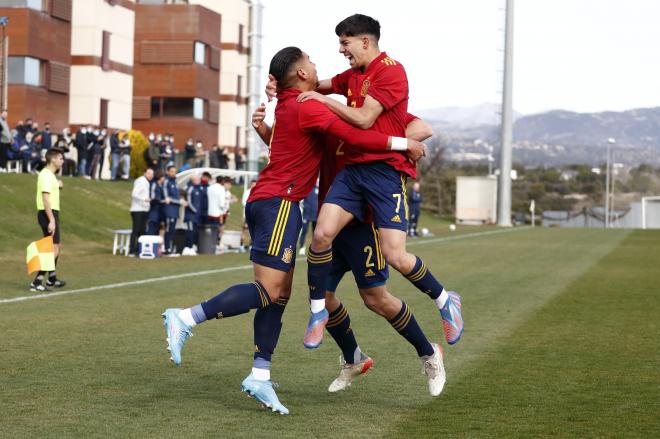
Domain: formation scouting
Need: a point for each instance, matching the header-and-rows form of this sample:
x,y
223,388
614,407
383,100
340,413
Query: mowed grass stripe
x,y
584,365
66,292
98,368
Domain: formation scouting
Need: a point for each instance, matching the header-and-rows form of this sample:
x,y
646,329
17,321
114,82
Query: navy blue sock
x,y
235,300
422,278
406,325
318,267
339,327
267,328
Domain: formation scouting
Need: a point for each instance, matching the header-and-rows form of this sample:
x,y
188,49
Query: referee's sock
x,y
52,275
39,278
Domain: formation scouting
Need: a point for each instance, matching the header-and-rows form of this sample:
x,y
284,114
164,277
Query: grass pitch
x,y
561,339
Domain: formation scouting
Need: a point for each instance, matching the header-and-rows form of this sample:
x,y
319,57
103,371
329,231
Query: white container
x,y
150,246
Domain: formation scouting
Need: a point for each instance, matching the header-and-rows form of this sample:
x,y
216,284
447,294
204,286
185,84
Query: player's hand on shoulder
x,y
307,95
259,115
271,87
416,150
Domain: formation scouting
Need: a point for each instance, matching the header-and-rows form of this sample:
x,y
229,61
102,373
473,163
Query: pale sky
x,y
580,55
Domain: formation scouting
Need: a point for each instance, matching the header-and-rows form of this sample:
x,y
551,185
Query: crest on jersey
x,y
365,87
350,93
388,61
369,273
288,255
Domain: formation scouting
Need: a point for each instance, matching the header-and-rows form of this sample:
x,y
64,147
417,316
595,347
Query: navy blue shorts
x,y
376,184
357,249
274,226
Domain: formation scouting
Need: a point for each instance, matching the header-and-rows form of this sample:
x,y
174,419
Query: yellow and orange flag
x,y
40,255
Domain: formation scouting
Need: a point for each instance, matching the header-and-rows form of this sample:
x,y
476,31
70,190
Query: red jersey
x,y
297,144
384,80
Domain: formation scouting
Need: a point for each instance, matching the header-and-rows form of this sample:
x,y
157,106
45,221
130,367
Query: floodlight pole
x,y
5,59
254,69
608,183
504,198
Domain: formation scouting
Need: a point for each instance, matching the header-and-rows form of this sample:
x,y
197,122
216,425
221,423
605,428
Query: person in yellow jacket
x,y
48,211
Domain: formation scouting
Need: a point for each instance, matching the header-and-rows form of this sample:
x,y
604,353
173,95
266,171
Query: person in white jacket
x,y
140,207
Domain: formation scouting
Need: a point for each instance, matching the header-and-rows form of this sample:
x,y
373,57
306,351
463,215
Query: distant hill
x,y
556,137
639,127
465,117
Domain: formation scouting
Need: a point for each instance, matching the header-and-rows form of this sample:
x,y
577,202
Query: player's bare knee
x,y
373,301
322,239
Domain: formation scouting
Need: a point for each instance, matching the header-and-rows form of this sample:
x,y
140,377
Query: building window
x,y
178,107
39,5
155,107
105,51
26,70
200,53
198,108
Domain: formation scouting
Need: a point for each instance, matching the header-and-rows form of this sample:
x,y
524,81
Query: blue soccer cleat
x,y
177,333
314,334
264,393
452,319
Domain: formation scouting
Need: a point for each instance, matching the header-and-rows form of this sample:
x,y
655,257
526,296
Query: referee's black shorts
x,y
43,222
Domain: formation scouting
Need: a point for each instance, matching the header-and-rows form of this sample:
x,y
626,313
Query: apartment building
x,y
172,66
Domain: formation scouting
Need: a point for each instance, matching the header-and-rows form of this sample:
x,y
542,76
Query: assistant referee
x,y
48,214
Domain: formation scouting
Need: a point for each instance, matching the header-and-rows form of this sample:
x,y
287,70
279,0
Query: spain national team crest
x,y
288,255
365,87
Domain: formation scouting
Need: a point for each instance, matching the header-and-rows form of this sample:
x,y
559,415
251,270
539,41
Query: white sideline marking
x,y
124,284
467,235
223,270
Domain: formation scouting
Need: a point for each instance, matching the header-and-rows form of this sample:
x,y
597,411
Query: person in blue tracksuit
x,y
171,207
414,204
155,204
204,208
192,217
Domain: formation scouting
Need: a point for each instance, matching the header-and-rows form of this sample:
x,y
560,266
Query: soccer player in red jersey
x,y
376,87
357,249
273,217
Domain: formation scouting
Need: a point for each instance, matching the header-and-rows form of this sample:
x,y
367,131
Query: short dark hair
x,y
170,167
206,174
280,65
358,24
51,153
220,179
159,175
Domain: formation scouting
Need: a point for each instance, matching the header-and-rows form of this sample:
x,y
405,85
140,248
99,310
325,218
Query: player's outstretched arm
x,y
370,140
363,117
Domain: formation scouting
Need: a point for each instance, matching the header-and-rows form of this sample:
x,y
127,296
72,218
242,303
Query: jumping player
x,y
376,87
357,249
273,218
